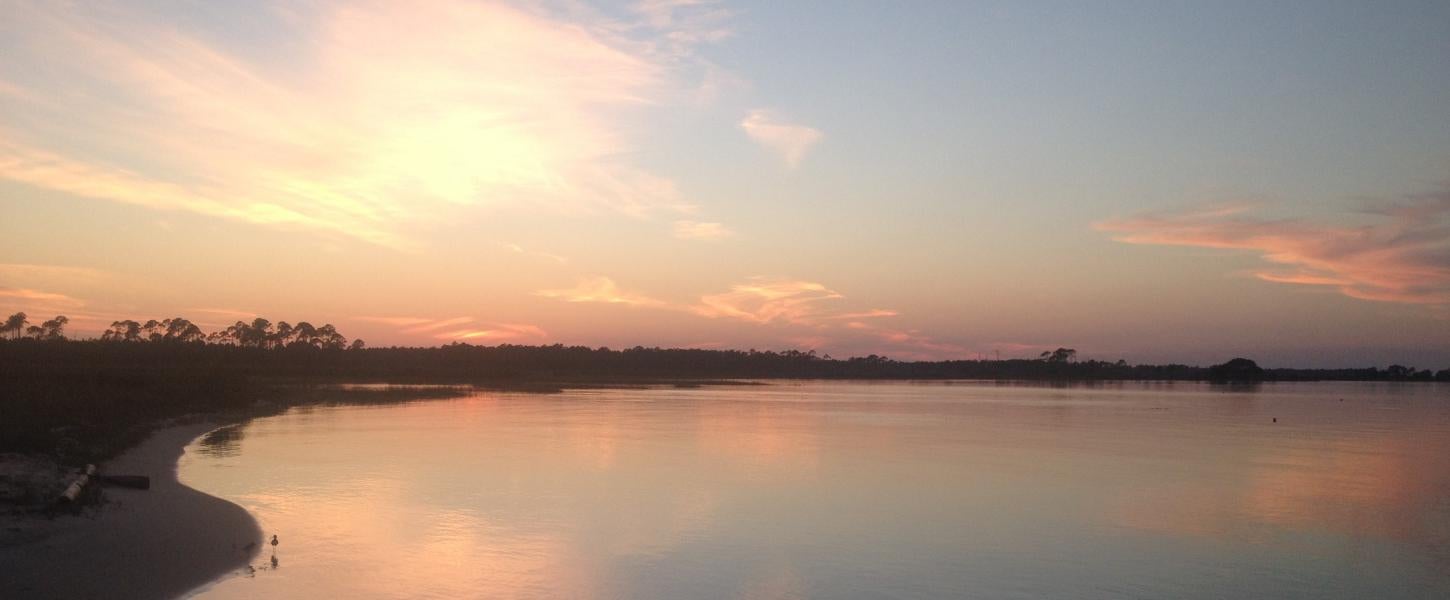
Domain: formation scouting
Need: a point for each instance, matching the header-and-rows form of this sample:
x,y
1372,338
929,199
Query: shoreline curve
x,y
166,542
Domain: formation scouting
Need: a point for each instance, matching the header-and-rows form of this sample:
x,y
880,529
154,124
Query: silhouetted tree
x,y
153,331
328,337
122,331
50,331
1060,355
181,330
304,334
257,334
14,326
1238,369
283,336
221,337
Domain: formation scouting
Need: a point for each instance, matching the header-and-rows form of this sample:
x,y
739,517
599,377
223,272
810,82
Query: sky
x,y
1148,181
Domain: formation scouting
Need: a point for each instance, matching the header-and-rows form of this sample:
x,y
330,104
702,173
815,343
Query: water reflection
x,y
1237,387
222,442
852,491
1376,486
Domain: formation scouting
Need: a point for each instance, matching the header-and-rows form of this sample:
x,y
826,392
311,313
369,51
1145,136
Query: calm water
x,y
831,490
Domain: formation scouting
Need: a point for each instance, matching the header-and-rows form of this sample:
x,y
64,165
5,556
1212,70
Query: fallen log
x,y
72,492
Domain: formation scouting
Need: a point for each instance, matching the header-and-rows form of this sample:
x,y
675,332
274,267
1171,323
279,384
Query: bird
x,y
274,541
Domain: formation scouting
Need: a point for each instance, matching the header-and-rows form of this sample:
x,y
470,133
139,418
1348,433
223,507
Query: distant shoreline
x,y
159,543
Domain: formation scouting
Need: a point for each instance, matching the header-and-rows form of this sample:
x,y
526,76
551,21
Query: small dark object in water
x,y
1276,419
140,482
274,540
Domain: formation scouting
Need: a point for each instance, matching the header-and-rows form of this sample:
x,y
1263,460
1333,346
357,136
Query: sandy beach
x,y
158,543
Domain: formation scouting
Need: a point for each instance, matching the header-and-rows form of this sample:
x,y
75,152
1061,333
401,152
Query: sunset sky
x,y
1152,181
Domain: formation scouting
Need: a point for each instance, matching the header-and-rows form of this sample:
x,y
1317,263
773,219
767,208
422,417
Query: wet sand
x,y
157,543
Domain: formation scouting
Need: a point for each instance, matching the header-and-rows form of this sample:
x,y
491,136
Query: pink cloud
x,y
40,305
1403,256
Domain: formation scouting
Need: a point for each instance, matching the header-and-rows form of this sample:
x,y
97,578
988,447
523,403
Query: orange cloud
x,y
230,313
50,273
465,105
38,297
601,289
501,332
41,305
460,328
436,325
1403,257
765,300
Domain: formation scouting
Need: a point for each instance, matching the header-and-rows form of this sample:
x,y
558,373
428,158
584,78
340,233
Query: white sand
x,y
147,544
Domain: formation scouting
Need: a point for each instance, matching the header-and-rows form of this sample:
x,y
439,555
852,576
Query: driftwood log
x,y
72,492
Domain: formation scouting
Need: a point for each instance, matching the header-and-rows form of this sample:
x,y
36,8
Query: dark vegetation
x,y
84,400
1236,370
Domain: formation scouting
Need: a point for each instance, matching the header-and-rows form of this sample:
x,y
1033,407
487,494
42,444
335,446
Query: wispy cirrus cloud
x,y
50,273
802,313
465,105
22,296
416,325
686,24
459,329
705,231
499,332
789,140
760,300
1403,256
41,304
916,345
47,288
225,313
602,290
763,300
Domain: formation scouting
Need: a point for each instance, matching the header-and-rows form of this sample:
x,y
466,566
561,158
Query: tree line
x,y
18,326
261,348
260,333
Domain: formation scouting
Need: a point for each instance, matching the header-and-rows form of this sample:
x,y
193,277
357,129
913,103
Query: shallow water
x,y
851,490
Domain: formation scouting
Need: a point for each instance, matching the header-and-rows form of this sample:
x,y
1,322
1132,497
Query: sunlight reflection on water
x,y
850,490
